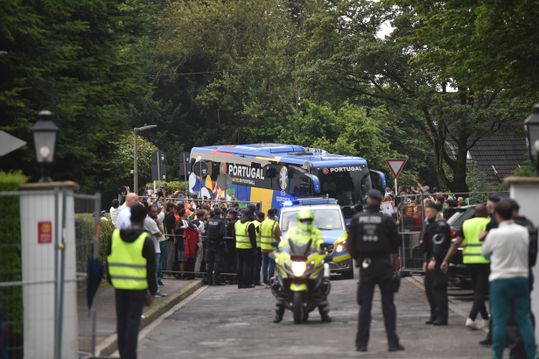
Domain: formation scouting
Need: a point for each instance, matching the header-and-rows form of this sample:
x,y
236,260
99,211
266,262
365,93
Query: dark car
x,y
458,272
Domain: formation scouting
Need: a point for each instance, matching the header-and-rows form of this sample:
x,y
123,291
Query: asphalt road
x,y
224,322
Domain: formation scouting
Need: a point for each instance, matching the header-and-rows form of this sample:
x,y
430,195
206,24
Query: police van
x,y
328,218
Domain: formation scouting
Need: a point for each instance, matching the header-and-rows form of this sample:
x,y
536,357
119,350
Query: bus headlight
x,y
298,268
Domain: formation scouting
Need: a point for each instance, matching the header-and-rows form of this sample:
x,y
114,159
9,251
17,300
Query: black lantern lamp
x,y
44,131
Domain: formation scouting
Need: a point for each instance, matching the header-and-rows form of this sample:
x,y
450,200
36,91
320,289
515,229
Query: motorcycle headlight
x,y
339,248
298,268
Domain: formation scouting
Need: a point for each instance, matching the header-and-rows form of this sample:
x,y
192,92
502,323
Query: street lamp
x,y
135,158
44,131
532,130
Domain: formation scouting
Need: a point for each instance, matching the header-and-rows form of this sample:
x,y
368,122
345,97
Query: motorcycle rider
x,y
374,244
302,233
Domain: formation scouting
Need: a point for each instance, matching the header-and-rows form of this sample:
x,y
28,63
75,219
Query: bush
x,y
84,229
10,254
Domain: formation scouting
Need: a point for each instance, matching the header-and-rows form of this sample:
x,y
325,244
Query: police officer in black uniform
x,y
215,247
374,244
436,243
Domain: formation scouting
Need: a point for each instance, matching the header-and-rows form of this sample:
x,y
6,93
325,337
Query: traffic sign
x,y
396,166
9,143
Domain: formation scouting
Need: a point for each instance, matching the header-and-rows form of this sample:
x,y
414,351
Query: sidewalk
x,y
175,289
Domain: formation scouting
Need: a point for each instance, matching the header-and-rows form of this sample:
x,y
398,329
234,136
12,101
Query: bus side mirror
x,y
378,180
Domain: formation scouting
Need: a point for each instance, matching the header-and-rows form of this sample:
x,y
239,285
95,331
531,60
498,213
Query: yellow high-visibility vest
x,y
267,235
472,229
242,235
257,224
127,265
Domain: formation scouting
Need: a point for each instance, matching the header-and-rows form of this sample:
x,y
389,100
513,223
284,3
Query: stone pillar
x,y
47,246
525,190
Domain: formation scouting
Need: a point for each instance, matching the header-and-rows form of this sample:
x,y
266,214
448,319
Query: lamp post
x,y
135,158
44,131
532,131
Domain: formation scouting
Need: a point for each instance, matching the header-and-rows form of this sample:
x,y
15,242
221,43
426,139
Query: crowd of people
x,y
183,230
408,208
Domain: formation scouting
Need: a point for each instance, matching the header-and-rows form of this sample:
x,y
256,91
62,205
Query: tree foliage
x,y
312,72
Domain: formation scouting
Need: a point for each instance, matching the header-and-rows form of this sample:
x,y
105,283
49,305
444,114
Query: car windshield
x,y
324,219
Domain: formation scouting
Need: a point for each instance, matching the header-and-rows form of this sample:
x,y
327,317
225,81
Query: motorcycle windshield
x,y
300,250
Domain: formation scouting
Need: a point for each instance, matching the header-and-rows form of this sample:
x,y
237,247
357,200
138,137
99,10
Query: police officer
x,y
131,270
436,243
374,244
245,235
303,232
270,233
215,247
258,250
231,257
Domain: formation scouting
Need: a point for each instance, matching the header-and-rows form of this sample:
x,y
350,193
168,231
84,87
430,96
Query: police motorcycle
x,y
301,281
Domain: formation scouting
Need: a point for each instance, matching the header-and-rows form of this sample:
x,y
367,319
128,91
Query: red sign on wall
x,y
44,232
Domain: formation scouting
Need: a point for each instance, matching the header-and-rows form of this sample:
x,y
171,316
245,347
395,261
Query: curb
x,y
110,344
452,304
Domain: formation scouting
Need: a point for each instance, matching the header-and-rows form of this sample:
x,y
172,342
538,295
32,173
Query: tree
x,y
84,61
119,169
415,71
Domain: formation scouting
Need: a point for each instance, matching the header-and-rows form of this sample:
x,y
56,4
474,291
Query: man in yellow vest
x,y
131,270
270,233
245,236
258,251
470,239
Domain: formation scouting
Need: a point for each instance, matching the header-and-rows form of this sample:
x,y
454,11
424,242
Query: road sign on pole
x,y
396,166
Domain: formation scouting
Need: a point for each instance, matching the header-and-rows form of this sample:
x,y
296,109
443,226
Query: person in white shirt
x,y
150,226
507,248
114,211
124,217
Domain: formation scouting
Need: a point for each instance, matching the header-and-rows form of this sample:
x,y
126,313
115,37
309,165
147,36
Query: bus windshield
x,y
348,187
324,219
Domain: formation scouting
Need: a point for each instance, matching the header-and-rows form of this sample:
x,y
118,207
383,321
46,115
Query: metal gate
x,y
12,285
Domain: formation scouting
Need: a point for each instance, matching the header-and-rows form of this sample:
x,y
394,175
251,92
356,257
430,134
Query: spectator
x,y
507,247
169,225
163,243
114,211
181,225
460,202
124,217
200,225
388,206
150,226
124,190
451,208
